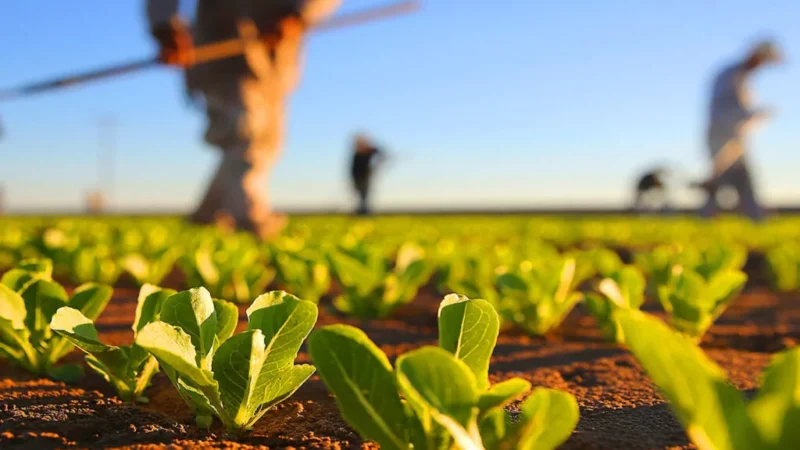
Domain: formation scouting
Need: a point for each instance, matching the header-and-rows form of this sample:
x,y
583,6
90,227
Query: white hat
x,y
768,51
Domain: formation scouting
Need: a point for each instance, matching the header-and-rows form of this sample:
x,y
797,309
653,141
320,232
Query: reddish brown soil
x,y
620,408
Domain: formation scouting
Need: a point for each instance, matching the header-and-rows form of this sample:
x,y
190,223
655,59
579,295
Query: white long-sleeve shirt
x,y
731,114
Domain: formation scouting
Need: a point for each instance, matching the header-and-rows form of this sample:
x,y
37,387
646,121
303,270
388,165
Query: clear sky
x,y
513,103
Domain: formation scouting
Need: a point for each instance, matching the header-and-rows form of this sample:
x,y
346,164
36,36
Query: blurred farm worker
x,y
366,158
651,190
245,97
732,120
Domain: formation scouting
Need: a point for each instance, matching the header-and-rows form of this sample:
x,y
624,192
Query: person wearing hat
x,y
244,97
732,119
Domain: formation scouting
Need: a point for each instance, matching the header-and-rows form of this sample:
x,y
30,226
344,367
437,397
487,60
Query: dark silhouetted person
x,y
366,158
651,190
732,118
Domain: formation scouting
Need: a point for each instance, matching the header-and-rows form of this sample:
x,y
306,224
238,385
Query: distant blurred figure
x,y
651,191
732,119
366,158
245,97
95,202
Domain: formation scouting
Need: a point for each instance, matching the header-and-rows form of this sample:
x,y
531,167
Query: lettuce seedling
x,y
96,264
370,288
622,289
707,261
693,303
537,300
593,262
236,378
128,368
28,300
784,268
713,413
719,258
234,274
152,268
304,273
438,397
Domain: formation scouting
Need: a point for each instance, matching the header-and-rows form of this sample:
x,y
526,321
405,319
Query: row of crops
x,y
528,274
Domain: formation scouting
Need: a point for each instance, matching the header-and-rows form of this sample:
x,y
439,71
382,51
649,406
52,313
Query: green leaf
x,y
285,321
40,267
91,299
227,319
173,347
67,373
193,312
17,279
138,266
776,410
287,382
148,305
442,392
79,329
625,287
468,329
502,394
712,412
358,373
546,421
42,300
511,282
493,420
110,361
200,403
725,285
12,307
236,365
353,273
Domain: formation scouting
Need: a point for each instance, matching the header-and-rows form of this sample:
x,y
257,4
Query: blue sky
x,y
513,103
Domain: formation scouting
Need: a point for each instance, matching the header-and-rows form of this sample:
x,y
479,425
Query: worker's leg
x,y
211,202
638,200
711,208
741,180
246,163
223,108
362,189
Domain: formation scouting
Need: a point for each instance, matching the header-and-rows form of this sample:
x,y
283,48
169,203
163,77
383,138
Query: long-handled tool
x,y
205,53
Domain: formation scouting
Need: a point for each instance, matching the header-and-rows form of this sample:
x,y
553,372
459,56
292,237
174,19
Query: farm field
x,y
497,258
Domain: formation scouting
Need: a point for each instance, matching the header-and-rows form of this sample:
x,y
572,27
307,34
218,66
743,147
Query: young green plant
x,y
372,290
537,299
304,273
784,267
236,378
694,303
233,274
622,289
128,368
28,300
439,397
150,268
714,414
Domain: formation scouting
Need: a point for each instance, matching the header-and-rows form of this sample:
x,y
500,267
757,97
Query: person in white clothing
x,y
732,119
